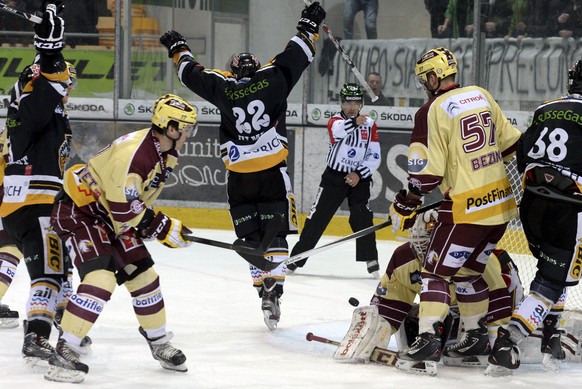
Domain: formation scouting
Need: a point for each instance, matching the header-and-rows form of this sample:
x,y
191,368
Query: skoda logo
x,y
374,115
316,114
129,109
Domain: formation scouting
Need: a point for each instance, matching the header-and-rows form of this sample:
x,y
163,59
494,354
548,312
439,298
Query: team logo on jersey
x,y
417,157
364,134
136,207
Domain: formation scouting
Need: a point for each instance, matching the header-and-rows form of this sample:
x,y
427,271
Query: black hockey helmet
x,y
575,78
244,65
352,92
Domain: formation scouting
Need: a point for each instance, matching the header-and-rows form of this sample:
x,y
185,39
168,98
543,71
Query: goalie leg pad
x,y
367,331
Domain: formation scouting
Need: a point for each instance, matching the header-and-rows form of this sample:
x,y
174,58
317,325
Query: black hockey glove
x,y
49,34
311,18
166,230
174,42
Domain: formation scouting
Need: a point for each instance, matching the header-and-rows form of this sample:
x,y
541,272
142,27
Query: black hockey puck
x,y
354,301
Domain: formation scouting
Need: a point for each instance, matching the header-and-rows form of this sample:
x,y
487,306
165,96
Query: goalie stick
x,y
272,228
386,357
379,355
24,15
266,265
346,58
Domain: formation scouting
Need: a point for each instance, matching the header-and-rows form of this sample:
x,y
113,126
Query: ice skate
x,y
8,318
167,355
35,350
551,345
505,352
65,366
373,269
426,347
475,342
270,303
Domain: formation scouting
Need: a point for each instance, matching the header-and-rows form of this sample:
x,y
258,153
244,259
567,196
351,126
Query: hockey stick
x,y
310,337
24,15
272,228
379,354
267,265
346,58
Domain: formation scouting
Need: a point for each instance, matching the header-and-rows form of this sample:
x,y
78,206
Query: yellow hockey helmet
x,y
170,108
439,61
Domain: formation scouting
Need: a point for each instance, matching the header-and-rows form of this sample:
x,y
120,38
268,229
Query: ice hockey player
x,y
39,145
105,212
9,253
392,305
550,212
477,205
353,156
253,140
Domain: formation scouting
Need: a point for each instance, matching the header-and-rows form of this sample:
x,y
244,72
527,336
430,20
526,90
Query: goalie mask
x,y
171,108
244,65
419,234
575,78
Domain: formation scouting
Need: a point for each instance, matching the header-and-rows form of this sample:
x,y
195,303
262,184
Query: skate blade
x,y
469,361
59,374
497,371
181,368
8,323
428,368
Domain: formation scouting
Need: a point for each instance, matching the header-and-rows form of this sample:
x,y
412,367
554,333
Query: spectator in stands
x,y
498,18
458,19
436,9
351,8
569,20
375,81
530,18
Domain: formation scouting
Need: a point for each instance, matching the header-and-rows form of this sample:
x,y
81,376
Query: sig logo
x,y
417,157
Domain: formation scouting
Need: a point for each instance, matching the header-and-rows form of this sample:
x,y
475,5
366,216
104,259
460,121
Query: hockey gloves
x,y
311,18
174,42
403,212
49,34
167,231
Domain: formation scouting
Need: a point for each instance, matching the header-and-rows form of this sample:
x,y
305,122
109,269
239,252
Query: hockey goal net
x,y
515,243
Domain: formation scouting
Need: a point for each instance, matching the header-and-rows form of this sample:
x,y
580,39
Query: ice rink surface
x,y
215,315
